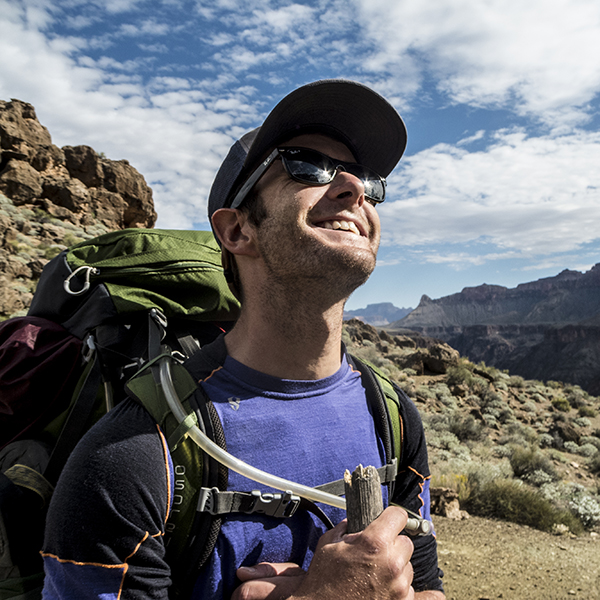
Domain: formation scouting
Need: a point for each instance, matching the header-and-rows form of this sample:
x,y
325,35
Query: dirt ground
x,y
484,560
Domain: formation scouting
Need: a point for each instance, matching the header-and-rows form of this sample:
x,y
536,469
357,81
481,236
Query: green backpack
x,y
140,301
92,320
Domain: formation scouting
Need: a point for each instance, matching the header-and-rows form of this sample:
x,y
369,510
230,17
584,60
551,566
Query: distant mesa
x,y
547,329
379,314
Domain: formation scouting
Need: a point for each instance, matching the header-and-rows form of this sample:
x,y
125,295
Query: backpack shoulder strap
x,y
384,398
192,534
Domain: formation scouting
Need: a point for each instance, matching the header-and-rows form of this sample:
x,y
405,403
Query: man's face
x,y
325,233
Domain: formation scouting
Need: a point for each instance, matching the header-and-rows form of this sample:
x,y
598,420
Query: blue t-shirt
x,y
309,432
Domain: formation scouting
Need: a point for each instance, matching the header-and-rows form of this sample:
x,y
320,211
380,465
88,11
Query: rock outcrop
x,y
52,197
423,356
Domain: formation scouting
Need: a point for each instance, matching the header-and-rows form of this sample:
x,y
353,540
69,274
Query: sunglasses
x,y
314,168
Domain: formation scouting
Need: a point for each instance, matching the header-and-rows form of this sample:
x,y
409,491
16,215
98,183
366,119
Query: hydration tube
x,y
230,461
416,525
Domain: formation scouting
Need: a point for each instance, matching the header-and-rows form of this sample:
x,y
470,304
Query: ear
x,y
234,232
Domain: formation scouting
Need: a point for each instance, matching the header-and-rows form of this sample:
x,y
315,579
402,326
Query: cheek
x,y
374,222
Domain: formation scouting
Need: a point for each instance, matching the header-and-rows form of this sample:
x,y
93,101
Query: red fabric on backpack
x,y
39,365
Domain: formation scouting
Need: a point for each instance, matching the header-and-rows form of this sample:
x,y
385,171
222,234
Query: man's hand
x,y
373,564
268,581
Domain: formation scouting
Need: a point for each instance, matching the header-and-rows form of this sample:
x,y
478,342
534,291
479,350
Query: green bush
x,y
561,404
587,411
465,427
575,396
511,500
594,464
581,422
588,450
516,381
526,461
458,375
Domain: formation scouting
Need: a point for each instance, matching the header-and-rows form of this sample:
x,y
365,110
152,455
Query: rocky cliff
x,y
52,197
545,329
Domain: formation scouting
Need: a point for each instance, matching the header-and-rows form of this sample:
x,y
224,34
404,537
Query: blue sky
x,y
500,183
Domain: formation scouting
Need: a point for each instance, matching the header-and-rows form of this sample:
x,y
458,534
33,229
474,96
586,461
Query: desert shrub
x,y
459,482
594,464
511,500
502,451
588,450
410,372
444,440
561,404
530,407
590,439
491,402
506,415
585,508
449,402
479,386
500,385
425,392
480,474
490,421
71,240
526,461
435,421
582,422
516,381
571,447
587,411
546,440
465,427
458,375
575,396
538,478
441,390
517,434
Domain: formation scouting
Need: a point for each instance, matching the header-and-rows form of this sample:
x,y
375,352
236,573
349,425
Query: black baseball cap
x,y
346,110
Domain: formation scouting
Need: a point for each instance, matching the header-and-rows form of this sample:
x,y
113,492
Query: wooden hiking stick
x,y
364,502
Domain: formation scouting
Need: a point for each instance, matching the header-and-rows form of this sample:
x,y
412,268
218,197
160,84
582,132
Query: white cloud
x,y
144,28
540,56
478,135
533,196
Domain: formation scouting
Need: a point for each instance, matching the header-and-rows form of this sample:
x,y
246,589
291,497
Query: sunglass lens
x,y
373,184
309,167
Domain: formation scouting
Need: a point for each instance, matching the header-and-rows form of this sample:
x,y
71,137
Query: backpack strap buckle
x,y
217,502
275,505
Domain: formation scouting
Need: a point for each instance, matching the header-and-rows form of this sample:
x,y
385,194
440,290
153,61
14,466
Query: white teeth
x,y
343,225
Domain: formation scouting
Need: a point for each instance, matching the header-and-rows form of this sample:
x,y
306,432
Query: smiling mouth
x,y
348,226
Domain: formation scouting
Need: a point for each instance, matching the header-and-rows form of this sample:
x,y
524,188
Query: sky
x,y
500,182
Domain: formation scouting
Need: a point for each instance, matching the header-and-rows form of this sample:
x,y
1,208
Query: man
x,y
293,207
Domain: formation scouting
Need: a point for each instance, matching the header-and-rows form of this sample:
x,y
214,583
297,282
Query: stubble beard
x,y
305,269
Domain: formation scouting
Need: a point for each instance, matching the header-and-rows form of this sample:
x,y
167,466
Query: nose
x,y
347,187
